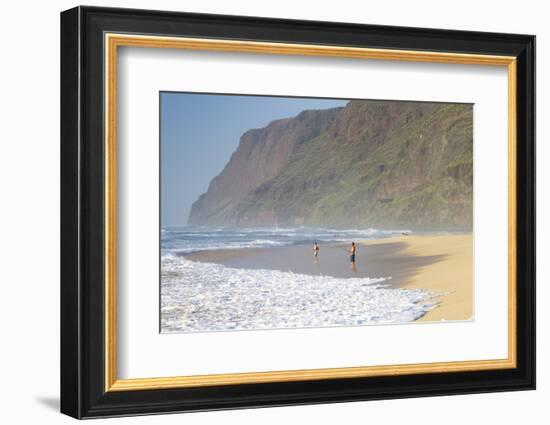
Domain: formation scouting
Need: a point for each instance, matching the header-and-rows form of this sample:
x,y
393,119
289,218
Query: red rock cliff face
x,y
372,163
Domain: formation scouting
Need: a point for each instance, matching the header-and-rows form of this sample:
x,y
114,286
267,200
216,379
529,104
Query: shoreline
x,y
452,275
439,263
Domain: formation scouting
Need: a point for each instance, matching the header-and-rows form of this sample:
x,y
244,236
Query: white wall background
x,y
29,213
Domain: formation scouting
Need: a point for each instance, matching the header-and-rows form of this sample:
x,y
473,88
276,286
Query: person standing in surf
x,y
352,251
315,251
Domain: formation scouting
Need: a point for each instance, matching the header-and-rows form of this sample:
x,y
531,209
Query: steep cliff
x,y
372,163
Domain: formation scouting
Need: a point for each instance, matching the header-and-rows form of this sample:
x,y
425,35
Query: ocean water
x,y
184,240
201,297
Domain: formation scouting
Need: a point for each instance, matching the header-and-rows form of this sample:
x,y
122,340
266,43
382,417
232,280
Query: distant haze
x,y
379,164
199,132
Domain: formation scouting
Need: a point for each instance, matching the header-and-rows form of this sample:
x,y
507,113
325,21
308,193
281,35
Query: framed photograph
x,y
261,212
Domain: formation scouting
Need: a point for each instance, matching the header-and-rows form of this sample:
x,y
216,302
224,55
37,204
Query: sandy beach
x,y
451,272
440,263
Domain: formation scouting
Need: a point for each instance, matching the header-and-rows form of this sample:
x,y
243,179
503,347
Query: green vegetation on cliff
x,y
372,163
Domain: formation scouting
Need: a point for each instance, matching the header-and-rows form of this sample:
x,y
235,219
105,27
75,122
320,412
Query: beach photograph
x,y
291,212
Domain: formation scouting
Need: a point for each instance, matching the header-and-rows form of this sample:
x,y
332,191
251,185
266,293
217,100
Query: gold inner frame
x,y
113,41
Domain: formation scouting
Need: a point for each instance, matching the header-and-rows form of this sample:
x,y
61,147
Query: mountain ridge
x,y
370,163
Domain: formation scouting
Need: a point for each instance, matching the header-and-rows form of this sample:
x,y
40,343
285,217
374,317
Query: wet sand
x,y
371,260
439,263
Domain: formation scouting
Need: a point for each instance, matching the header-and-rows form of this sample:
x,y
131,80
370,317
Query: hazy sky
x,y
199,132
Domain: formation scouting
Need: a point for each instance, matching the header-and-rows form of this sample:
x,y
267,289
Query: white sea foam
x,y
198,297
209,245
181,240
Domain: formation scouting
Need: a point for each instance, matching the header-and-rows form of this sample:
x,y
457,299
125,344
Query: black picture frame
x,y
83,392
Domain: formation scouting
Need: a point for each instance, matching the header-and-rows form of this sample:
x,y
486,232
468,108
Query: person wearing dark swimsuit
x,y
315,251
352,255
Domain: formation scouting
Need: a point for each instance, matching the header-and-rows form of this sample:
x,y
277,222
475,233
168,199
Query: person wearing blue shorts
x,y
352,252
